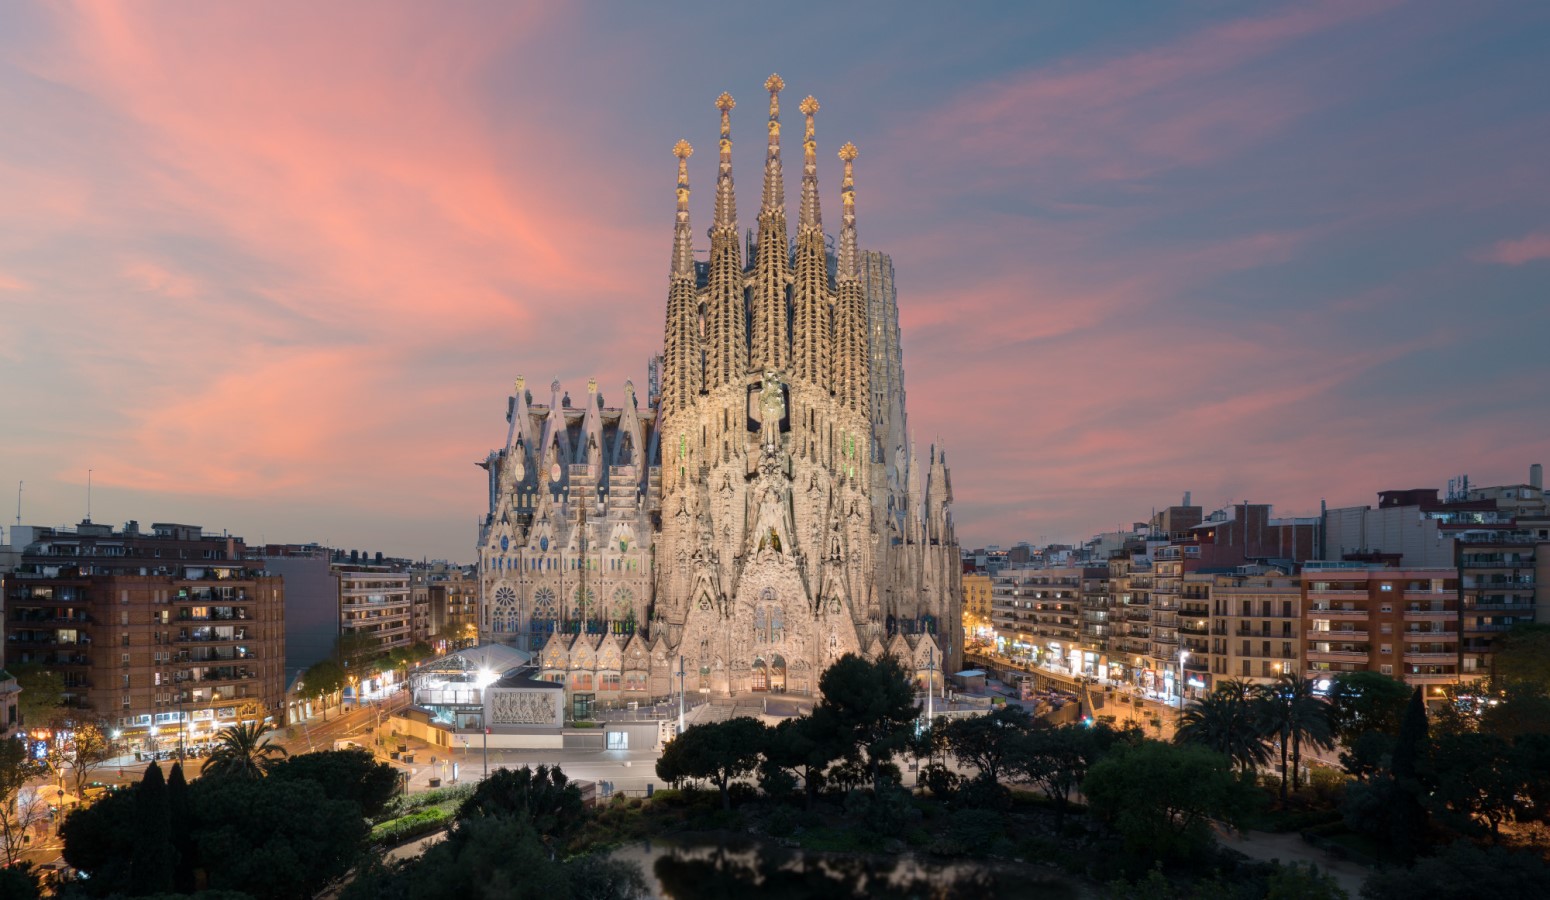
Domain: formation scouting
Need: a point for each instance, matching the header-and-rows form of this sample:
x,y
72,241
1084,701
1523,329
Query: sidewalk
x,y
1270,847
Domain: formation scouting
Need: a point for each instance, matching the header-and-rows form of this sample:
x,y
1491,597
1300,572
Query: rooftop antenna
x,y
19,502
88,495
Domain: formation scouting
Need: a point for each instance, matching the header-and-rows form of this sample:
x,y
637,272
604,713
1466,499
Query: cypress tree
x,y
1410,814
154,857
181,831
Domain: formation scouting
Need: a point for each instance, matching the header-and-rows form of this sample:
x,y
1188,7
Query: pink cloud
x,y
1526,249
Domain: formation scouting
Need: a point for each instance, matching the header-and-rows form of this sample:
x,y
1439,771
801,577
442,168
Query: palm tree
x,y
241,754
1227,721
1291,711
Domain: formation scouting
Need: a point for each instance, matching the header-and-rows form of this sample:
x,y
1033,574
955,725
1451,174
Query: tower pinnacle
x,y
774,182
683,239
810,215
726,199
848,251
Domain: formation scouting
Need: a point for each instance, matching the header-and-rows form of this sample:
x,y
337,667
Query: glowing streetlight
x,y
484,679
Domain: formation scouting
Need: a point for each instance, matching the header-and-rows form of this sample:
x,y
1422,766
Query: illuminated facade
x,y
768,515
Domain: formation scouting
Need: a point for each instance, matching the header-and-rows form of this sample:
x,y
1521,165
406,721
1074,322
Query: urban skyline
x,y
274,275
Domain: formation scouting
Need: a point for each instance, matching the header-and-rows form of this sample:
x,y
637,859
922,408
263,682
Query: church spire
x,y
683,369
848,252
726,199
726,314
683,238
771,345
853,356
811,216
774,180
810,303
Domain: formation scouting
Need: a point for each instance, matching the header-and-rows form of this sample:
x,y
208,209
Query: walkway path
x,y
1267,846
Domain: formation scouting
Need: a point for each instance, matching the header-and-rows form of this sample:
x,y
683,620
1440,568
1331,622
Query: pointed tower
x,y
726,315
770,348
810,289
684,374
852,364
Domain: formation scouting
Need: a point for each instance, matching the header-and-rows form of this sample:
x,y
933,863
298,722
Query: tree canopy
x,y
872,707
718,752
1161,798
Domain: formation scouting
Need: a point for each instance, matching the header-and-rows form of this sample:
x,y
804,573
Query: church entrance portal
x,y
769,676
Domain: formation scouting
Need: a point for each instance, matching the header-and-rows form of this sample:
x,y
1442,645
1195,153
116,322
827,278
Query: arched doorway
x,y
761,675
778,674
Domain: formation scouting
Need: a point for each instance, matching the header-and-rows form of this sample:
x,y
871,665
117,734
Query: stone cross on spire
x,y
726,199
683,238
811,216
774,183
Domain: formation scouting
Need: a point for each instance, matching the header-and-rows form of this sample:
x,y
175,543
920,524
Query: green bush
x,y
415,824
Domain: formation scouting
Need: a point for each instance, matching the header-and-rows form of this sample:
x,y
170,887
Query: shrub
x,y
415,824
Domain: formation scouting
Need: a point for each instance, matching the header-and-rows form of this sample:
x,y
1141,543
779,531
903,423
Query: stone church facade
x,y
760,516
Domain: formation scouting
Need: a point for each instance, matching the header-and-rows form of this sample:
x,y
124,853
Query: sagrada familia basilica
x,y
764,511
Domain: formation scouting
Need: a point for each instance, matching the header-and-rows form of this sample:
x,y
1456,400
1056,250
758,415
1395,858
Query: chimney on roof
x,y
1186,498
1536,477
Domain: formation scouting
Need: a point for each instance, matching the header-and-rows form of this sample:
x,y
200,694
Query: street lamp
x,y
1183,656
486,678
680,693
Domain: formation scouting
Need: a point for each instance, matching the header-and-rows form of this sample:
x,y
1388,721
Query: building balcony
x,y
1446,678
1425,596
1164,639
1526,609
1431,635
1337,635
1194,629
1166,604
1335,655
1324,613
1437,611
1430,658
1337,594
1485,628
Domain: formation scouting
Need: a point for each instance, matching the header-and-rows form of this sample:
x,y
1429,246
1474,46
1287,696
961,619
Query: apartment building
x,y
375,608
444,604
977,606
163,635
1402,622
1256,625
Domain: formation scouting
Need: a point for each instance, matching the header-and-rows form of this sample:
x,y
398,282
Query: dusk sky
x,y
272,268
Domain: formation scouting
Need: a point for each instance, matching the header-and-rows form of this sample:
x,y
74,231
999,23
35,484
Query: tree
x,y
872,705
543,798
984,742
496,856
718,752
42,697
100,841
274,839
324,679
1292,713
19,806
1227,721
239,753
1463,871
1364,702
1518,710
1477,780
19,882
180,810
1057,760
803,746
1161,798
1411,748
92,747
352,775
1523,658
155,860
